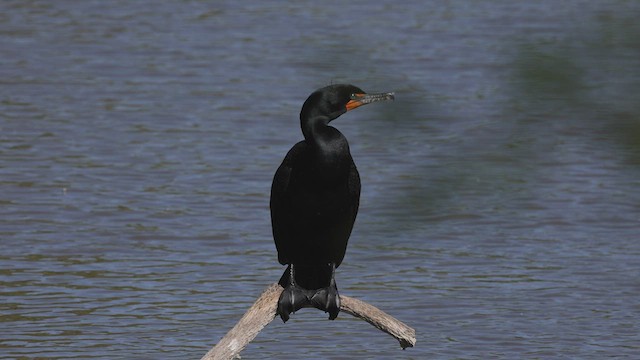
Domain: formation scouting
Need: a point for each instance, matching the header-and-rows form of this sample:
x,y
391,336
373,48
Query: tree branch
x,y
263,311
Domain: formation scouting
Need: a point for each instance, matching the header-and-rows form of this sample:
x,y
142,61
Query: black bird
x,y
314,201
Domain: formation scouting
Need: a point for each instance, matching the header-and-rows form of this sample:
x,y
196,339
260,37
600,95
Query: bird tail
x,y
284,279
307,277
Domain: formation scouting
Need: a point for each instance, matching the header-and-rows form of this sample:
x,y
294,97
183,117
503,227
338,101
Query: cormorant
x,y
314,201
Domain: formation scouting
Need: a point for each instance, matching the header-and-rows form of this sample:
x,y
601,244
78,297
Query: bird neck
x,y
313,128
330,147
318,133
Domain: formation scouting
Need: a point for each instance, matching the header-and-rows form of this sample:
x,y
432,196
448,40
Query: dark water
x,y
500,209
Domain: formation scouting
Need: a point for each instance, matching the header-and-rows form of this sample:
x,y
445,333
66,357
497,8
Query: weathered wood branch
x,y
263,311
381,320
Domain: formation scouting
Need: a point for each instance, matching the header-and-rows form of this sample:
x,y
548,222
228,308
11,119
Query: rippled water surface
x,y
500,209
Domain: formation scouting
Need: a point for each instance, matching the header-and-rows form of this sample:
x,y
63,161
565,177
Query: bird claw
x,y
328,300
291,300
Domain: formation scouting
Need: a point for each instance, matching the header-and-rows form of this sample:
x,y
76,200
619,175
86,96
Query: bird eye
x,y
352,96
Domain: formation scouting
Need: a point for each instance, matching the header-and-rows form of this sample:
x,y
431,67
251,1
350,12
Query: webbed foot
x,y
328,300
292,299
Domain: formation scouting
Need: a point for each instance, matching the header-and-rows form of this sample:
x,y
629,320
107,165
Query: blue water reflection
x,y
500,205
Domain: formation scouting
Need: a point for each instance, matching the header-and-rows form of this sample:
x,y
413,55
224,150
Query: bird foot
x,y
328,300
292,299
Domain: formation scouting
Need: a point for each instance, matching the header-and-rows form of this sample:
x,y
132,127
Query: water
x,y
500,206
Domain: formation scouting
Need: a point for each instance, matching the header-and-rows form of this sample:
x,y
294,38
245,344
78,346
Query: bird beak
x,y
363,99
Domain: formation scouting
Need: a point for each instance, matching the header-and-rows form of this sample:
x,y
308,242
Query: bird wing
x,y
281,211
354,189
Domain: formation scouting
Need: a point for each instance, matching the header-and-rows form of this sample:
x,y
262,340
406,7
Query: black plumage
x,y
314,202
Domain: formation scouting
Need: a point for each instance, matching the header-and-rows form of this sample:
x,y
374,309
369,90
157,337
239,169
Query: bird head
x,y
334,100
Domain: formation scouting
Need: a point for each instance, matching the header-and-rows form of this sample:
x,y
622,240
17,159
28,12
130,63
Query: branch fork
x,y
263,311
